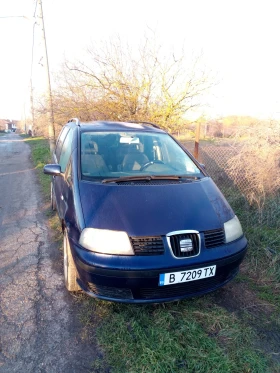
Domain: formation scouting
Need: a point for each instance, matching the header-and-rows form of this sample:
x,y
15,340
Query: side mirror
x,y
52,169
202,165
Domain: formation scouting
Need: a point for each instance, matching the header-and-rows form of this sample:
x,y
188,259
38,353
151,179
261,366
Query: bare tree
x,y
118,82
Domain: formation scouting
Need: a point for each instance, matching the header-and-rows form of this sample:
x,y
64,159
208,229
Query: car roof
x,y
119,126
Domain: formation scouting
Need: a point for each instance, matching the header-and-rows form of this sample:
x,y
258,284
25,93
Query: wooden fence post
x,y
197,136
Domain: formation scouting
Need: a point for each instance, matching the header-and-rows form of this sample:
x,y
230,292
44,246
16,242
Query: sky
x,y
239,40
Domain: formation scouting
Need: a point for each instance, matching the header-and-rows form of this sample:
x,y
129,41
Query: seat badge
x,y
186,245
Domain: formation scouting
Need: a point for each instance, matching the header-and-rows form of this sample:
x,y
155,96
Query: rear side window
x,y
66,150
60,141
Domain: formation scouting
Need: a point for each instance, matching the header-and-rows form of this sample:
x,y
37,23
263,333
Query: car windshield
x,y
106,155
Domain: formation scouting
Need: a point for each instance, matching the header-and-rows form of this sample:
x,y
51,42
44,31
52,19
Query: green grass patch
x,y
40,152
188,336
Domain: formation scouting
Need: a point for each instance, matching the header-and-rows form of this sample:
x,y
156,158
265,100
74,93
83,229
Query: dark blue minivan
x,y
142,220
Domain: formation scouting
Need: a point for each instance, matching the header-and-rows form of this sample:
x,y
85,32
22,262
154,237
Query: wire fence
x,y
250,180
248,174
254,171
216,158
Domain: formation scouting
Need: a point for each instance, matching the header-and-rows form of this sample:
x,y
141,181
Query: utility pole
x,y
31,79
50,101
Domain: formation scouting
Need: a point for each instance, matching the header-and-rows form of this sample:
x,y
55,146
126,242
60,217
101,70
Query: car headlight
x,y
106,241
233,229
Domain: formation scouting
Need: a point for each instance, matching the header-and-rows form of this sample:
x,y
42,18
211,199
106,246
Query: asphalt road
x,y
39,326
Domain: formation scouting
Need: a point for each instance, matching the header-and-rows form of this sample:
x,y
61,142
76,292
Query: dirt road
x,y
39,329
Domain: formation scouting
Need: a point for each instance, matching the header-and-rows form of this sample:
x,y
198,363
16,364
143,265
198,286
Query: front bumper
x,y
142,286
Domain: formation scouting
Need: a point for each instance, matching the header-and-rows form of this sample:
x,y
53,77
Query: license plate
x,y
186,276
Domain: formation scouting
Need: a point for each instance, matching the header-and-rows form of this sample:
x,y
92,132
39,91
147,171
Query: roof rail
x,y
76,120
140,122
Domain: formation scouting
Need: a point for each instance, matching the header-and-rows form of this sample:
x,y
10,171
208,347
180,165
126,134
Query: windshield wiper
x,y
149,178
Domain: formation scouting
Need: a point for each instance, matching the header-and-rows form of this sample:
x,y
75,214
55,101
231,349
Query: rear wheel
x,y
53,203
70,271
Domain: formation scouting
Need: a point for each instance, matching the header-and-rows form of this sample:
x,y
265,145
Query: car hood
x,y
154,209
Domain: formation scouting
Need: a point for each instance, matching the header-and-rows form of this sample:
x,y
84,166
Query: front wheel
x,y
70,271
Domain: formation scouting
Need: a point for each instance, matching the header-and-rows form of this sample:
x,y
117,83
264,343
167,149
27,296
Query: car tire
x,y
70,271
53,202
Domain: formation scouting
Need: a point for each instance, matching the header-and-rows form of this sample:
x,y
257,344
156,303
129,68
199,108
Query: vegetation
x,y
262,228
259,176
41,155
121,82
235,329
188,336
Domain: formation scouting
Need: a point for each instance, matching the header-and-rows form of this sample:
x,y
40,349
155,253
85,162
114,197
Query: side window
x,y
60,141
66,150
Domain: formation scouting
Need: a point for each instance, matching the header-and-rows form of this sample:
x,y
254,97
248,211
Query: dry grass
x,y
258,162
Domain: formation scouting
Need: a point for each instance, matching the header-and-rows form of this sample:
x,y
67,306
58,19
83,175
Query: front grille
x,y
170,291
177,248
147,245
213,238
110,292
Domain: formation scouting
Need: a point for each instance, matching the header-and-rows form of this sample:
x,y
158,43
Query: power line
x,y
36,3
13,17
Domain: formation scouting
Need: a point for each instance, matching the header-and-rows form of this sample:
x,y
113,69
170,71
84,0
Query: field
x,y
235,329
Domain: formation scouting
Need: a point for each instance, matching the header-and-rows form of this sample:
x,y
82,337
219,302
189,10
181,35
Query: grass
x,y
188,336
41,156
198,335
262,229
